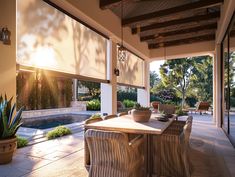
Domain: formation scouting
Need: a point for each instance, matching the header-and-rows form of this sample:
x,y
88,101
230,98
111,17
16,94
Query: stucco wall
x,y
8,52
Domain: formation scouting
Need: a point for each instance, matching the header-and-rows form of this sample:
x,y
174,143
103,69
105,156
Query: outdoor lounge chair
x,y
202,106
86,150
166,108
155,105
109,116
112,155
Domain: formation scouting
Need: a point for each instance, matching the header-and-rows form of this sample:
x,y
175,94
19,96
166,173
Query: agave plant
x,y
9,124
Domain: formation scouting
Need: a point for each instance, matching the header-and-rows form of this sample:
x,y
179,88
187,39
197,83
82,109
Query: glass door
x,y
231,123
226,86
228,121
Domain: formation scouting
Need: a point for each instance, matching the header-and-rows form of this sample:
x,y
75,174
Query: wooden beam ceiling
x,y
201,38
196,18
178,32
171,11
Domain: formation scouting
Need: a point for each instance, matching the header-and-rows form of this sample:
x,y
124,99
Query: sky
x,y
155,65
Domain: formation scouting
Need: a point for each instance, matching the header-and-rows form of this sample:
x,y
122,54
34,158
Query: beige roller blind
x,y
50,39
131,72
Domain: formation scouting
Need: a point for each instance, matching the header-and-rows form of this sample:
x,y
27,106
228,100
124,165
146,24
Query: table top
x,y
126,124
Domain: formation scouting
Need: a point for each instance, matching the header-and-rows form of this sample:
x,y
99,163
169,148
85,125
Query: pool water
x,y
53,121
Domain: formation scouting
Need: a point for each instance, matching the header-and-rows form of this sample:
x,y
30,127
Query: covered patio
x,y
80,39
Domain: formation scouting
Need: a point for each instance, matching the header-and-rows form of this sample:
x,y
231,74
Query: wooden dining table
x,y
126,124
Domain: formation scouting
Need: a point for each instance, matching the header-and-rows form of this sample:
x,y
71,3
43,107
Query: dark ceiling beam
x,y
170,11
178,32
105,4
196,18
182,41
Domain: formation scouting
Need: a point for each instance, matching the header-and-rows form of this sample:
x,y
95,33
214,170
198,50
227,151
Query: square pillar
x,y
109,90
143,95
8,52
218,86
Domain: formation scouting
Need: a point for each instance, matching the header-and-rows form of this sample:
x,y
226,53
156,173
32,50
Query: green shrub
x,y
153,97
180,112
58,132
21,142
191,101
93,105
95,116
129,103
232,101
126,95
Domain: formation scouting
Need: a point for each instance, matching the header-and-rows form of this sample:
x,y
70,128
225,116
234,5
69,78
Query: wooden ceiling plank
x,y
105,4
196,18
178,32
182,41
170,11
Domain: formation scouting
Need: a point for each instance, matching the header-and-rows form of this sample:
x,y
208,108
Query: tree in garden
x,y
154,79
178,75
204,78
93,87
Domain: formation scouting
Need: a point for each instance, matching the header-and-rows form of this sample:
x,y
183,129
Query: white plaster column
x,y
214,87
75,89
218,84
109,90
143,95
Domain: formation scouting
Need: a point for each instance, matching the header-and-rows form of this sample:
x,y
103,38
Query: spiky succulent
x,y
9,124
137,106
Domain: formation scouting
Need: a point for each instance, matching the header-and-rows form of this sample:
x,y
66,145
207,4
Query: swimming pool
x,y
46,122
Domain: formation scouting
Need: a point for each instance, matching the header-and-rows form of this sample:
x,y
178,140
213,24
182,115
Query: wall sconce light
x,y
116,72
5,36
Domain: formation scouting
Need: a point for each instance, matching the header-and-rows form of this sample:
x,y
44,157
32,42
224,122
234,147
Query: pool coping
x,y
32,133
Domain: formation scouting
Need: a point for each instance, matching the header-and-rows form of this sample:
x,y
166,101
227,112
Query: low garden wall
x,y
75,108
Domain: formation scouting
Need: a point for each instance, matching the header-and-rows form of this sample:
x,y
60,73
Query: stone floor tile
x,y
55,155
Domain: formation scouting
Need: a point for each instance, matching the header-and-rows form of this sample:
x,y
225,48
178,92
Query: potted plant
x,y
141,114
9,125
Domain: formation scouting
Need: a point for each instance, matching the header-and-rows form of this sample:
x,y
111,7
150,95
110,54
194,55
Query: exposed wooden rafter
x,y
178,32
170,11
105,4
201,38
196,18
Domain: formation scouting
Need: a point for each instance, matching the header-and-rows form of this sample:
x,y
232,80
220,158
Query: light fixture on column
x,y
5,36
116,72
122,53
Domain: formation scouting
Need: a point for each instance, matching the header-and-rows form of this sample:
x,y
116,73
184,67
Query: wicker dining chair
x,y
109,116
86,150
179,124
173,156
122,114
166,108
112,155
188,129
187,162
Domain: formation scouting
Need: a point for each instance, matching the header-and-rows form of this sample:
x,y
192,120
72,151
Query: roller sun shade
x,y
49,39
131,71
